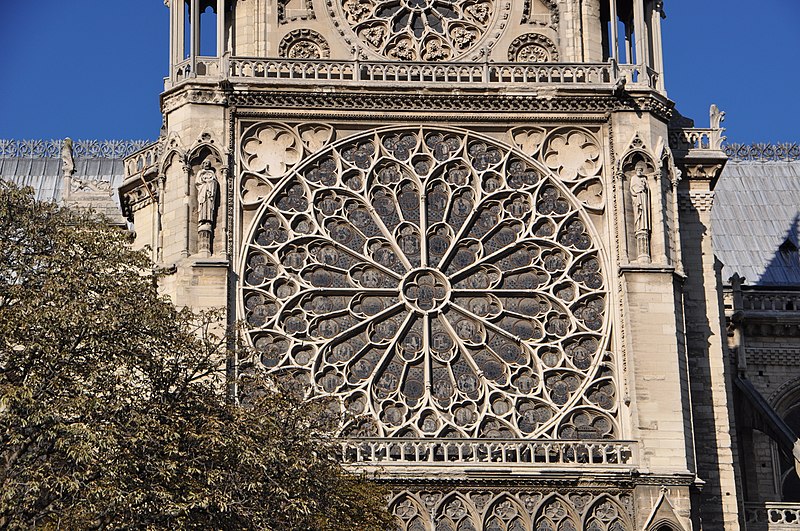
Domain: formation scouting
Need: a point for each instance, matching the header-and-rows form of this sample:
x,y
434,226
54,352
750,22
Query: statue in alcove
x,y
640,199
207,191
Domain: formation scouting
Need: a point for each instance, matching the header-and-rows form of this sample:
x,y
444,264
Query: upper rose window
x,y
419,30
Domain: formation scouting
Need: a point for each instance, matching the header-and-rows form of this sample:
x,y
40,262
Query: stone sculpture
x,y
207,191
640,198
67,162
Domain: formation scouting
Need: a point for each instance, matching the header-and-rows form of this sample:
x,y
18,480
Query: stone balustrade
x,y
489,452
770,301
477,75
639,75
772,516
696,139
142,159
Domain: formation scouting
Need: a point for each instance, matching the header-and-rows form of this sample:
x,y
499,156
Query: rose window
x,y
440,284
419,30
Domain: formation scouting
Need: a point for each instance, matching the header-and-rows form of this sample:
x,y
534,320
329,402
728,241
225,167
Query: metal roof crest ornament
x,y
100,149
763,152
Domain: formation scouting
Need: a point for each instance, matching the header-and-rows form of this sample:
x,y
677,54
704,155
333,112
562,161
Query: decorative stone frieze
x,y
384,104
513,510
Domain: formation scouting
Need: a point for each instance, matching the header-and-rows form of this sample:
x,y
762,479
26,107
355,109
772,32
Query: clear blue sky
x,y
94,68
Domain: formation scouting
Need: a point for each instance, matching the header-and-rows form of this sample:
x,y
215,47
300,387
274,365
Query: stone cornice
x,y
557,481
456,100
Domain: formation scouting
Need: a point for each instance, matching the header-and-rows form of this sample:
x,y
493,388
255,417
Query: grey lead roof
x,y
43,174
37,163
756,222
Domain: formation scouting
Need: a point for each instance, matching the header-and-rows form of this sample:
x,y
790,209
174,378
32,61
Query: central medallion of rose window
x,y
419,30
425,290
439,284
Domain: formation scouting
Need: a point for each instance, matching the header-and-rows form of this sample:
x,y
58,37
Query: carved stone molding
x,y
773,356
292,10
533,48
384,104
513,510
198,94
527,13
695,200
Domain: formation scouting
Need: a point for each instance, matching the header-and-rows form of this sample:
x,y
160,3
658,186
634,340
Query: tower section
x,y
457,218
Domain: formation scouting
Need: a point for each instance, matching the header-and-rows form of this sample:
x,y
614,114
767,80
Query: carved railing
x,y
696,138
255,69
488,452
770,301
384,72
200,67
142,159
93,149
785,152
772,516
639,75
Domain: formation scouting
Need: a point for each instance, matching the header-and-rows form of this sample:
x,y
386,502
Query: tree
x,y
113,410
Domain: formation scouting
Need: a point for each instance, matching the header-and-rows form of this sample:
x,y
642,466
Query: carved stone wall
x,y
513,510
428,220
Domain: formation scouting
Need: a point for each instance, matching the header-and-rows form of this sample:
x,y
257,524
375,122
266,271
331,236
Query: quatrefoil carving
x,y
272,150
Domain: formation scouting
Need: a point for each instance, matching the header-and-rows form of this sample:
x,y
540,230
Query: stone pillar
x,y
220,28
194,42
614,34
709,359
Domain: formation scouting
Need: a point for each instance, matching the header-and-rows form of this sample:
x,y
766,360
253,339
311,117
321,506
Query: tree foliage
x,y
113,410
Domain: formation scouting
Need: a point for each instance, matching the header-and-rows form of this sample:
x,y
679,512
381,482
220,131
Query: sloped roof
x,y
43,174
756,222
99,171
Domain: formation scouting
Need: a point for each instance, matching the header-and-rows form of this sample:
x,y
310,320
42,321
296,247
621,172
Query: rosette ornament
x,y
440,284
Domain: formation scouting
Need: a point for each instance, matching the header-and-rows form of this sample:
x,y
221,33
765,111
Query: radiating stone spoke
x,y
438,283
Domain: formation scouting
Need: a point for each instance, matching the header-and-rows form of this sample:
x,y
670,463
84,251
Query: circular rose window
x,y
419,30
439,284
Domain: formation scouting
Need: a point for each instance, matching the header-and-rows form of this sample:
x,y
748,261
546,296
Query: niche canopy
x,y
440,284
419,30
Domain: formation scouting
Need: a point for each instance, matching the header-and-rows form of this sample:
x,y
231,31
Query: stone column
x,y
709,360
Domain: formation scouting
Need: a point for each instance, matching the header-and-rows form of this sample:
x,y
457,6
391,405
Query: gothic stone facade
x,y
470,222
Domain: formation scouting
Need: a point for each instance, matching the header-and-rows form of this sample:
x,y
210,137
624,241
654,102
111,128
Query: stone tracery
x,y
440,283
419,30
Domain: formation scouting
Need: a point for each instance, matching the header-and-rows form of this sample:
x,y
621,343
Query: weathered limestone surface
x,y
469,233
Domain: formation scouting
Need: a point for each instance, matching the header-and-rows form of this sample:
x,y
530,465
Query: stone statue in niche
x,y
640,199
207,192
